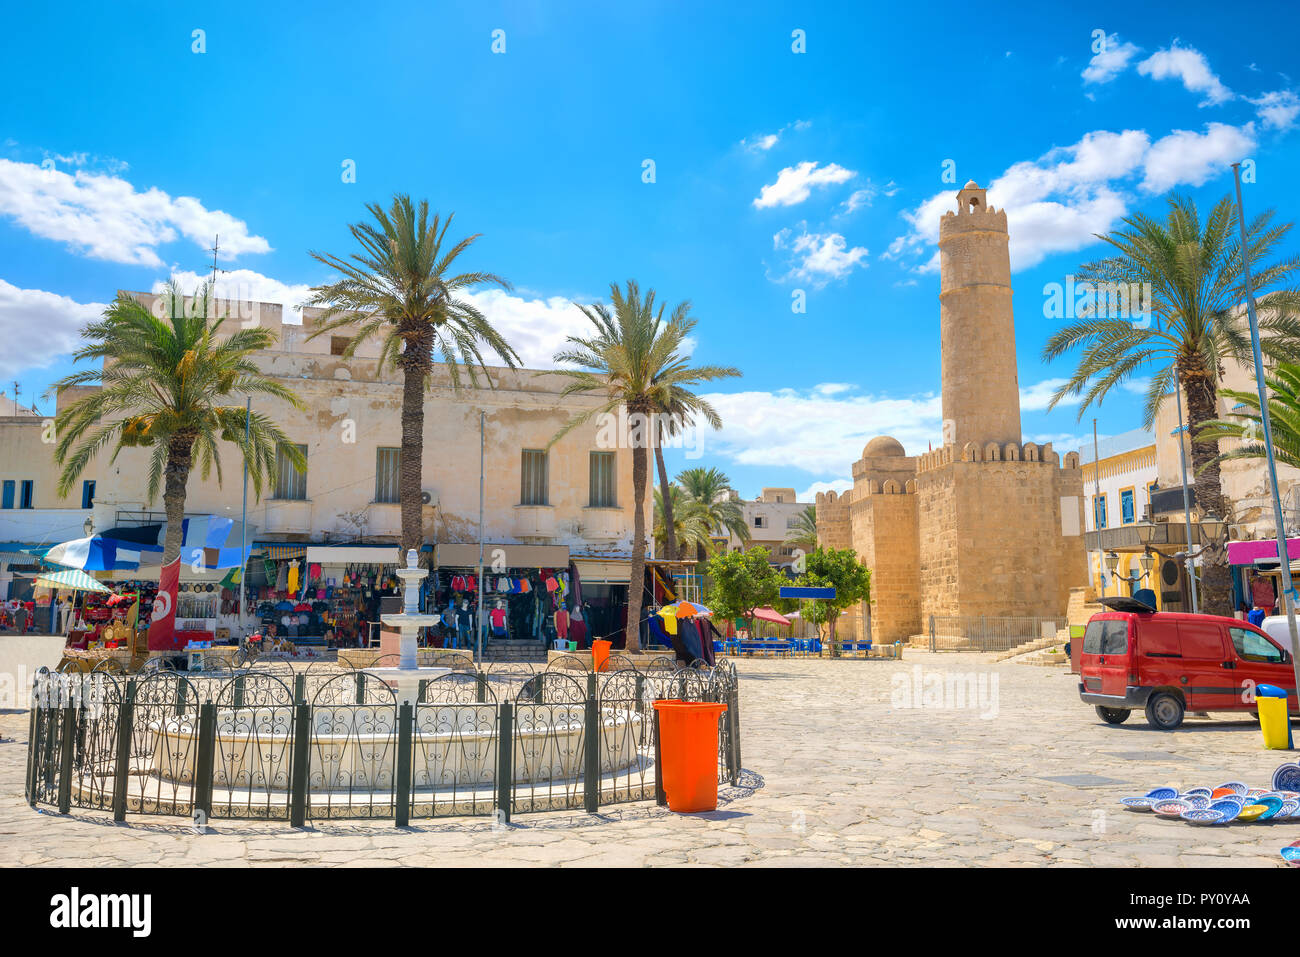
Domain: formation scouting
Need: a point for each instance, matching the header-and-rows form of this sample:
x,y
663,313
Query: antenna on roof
x,y
216,246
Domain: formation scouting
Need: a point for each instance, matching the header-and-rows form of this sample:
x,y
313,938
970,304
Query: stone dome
x,y
883,445
971,184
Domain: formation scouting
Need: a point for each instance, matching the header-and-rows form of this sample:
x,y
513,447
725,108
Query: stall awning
x,y
283,552
462,555
73,578
597,571
352,554
1244,553
772,615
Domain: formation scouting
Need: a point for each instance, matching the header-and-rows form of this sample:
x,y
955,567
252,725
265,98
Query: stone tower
x,y
981,397
986,525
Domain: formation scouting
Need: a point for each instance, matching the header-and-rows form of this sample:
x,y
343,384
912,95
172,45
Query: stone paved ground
x,y
841,773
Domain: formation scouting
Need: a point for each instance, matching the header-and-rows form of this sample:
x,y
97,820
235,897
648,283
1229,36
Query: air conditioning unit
x,y
429,497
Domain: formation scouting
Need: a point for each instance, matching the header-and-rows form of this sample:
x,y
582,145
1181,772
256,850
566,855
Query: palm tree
x,y
674,418
709,490
803,534
1191,276
400,288
164,382
633,361
691,528
1245,424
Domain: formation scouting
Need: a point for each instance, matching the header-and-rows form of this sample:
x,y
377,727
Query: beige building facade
x,y
986,524
770,519
575,496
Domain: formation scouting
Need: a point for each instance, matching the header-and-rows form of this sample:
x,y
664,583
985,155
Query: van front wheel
x,y
1113,715
1164,711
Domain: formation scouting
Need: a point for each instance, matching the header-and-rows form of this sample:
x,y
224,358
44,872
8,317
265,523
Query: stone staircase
x,y
1082,606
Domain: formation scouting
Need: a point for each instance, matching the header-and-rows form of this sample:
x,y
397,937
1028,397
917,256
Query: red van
x,y
1168,663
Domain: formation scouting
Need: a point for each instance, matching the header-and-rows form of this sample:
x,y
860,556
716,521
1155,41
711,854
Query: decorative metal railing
x,y
270,743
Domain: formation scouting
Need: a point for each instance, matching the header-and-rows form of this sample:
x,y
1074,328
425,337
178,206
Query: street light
x,y
1214,527
1147,561
1112,561
88,526
1146,531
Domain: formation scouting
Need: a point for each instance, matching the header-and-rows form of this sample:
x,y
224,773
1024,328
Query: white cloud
x,y
859,198
817,432
1279,109
794,183
1036,397
1060,201
104,216
1185,157
1189,66
247,285
760,144
819,257
40,327
809,494
1110,61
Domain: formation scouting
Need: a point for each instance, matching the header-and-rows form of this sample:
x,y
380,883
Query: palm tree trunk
x,y
632,633
670,533
412,458
176,474
1202,401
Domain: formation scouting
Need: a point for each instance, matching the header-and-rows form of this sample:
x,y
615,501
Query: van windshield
x,y
1108,637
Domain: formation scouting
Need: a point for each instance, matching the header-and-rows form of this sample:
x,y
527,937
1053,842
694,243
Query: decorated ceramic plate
x,y
1288,809
1287,778
1203,815
1251,812
1138,804
1163,793
1290,795
1196,792
1170,807
1230,809
1235,787
1273,805
1291,855
1256,792
1197,802
1221,793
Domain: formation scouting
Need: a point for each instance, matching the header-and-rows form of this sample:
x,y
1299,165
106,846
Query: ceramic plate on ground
x,y
1290,795
1138,804
1235,786
1291,855
1196,792
1251,812
1197,802
1203,815
1288,809
1170,807
1287,778
1230,809
1272,804
1163,793
1256,792
1222,793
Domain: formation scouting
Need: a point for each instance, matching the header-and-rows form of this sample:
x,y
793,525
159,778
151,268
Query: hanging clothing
x,y
578,632
562,623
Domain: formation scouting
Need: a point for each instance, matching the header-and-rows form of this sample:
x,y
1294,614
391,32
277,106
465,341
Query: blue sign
x,y
795,591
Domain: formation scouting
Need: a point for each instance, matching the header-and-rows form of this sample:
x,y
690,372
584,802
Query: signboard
x,y
796,591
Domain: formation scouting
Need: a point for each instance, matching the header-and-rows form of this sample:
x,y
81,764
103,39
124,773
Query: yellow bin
x,y
1273,720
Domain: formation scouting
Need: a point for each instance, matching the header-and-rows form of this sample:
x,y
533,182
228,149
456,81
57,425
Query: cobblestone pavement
x,y
842,769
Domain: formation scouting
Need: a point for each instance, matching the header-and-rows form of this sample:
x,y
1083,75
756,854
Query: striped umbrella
x,y
73,579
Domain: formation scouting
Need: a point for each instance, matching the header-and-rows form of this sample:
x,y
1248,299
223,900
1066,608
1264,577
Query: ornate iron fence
x,y
270,744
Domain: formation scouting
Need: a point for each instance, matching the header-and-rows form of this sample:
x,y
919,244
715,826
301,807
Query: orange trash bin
x,y
688,753
600,654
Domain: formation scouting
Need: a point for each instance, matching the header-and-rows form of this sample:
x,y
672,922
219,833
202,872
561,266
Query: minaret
x,y
981,397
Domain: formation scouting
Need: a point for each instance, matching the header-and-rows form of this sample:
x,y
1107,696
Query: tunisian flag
x,y
162,626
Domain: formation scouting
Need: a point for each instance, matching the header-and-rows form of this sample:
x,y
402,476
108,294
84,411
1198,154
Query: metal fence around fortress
x,y
272,743
985,633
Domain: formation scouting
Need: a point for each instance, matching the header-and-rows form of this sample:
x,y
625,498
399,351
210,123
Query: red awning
x,y
769,614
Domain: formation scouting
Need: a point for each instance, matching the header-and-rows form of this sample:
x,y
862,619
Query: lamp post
x,y
1283,554
88,526
1146,562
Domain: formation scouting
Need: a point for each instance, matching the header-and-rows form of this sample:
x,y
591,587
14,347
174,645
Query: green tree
x,y
803,534
837,568
688,528
739,582
171,384
1246,425
708,490
634,361
1193,271
400,288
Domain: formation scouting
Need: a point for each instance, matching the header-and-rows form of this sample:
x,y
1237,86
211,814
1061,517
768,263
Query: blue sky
x,y
122,150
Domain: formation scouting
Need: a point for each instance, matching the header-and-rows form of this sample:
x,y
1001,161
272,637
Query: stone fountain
x,y
406,677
